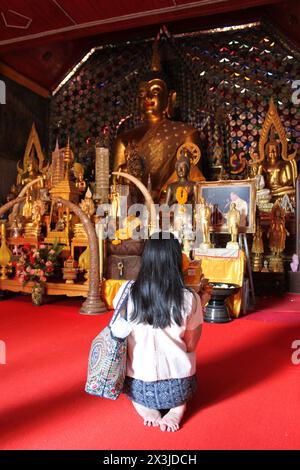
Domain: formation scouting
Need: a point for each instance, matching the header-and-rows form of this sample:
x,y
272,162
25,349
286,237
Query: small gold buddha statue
x,y
87,204
114,199
263,194
203,216
78,170
278,173
88,207
277,236
16,226
158,138
257,249
233,221
30,171
27,207
277,232
33,228
182,192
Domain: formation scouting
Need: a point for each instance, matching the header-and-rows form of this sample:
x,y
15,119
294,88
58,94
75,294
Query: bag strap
x,y
121,302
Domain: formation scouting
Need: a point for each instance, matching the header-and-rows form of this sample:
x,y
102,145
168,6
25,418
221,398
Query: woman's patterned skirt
x,y
161,394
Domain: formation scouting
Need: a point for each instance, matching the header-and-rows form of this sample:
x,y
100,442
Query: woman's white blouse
x,y
160,354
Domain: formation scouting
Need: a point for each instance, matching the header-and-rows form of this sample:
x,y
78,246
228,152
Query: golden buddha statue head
x,y
155,100
182,167
272,147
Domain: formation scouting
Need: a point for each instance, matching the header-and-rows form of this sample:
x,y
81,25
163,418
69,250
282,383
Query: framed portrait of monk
x,y
221,194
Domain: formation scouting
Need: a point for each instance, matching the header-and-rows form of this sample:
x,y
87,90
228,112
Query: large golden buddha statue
x,y
158,138
278,168
279,174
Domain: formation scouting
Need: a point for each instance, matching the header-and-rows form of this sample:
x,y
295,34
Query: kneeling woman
x,y
165,319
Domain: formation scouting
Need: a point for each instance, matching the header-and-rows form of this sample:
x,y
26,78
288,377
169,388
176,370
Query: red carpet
x,y
248,395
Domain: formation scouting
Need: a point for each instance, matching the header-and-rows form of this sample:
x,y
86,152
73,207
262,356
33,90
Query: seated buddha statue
x,y
278,173
158,138
30,170
181,192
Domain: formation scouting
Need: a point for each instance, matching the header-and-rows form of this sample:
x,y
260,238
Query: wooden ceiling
x,y
42,40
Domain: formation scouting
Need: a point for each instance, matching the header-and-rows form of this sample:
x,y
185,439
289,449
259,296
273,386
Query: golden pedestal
x,y
256,262
55,236
276,264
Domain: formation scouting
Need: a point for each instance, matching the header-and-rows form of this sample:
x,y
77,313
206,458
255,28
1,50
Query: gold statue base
x,y
256,262
276,264
232,245
32,230
58,237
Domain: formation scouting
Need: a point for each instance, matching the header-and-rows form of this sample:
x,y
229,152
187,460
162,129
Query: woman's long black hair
x,y
158,292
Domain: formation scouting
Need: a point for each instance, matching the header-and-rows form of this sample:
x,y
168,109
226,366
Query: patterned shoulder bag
x,y
107,358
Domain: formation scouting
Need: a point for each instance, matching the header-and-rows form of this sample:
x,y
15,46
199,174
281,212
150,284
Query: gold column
x,y
100,241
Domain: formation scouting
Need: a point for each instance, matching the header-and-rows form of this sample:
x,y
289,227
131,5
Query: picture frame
x,y
220,194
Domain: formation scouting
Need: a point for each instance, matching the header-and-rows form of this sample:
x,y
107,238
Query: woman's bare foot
x,y
150,417
170,422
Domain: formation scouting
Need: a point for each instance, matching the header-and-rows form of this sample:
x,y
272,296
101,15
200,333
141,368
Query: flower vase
x,y
37,293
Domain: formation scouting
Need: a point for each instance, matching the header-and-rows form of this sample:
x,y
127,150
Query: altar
x,y
72,196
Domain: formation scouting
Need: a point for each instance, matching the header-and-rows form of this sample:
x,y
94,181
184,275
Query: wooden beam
x,y
24,81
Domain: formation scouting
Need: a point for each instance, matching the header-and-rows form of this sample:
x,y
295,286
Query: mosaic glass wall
x,y
224,81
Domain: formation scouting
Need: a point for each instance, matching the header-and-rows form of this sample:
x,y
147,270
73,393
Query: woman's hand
x,y
205,291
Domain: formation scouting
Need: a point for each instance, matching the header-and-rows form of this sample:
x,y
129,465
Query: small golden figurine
x,y
87,204
233,220
114,199
16,227
203,216
70,270
182,192
33,160
263,194
257,249
33,229
79,175
27,208
277,236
